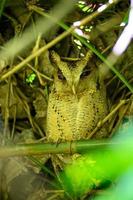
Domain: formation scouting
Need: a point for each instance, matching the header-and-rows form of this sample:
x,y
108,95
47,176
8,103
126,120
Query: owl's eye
x,y
98,84
60,75
85,73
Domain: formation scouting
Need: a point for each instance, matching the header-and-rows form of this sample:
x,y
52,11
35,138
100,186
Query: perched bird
x,y
77,101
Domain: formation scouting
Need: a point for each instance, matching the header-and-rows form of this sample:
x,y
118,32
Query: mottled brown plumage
x,y
76,104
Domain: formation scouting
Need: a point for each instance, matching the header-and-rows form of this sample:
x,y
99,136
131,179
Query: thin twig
x,y
52,43
101,123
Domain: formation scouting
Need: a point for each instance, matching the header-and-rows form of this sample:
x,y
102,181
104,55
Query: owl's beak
x,y
73,89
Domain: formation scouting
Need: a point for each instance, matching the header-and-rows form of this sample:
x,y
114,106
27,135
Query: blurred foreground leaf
x,y
2,5
99,166
121,191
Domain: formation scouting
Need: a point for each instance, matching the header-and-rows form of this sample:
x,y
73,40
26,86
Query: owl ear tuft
x,y
55,58
63,67
80,65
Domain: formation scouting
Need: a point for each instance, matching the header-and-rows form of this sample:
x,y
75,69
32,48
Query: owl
x,y
77,101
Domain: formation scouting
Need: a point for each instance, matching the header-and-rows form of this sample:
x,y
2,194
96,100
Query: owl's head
x,y
71,74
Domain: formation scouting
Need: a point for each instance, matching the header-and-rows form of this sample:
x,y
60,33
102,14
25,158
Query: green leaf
x,y
2,5
31,78
99,167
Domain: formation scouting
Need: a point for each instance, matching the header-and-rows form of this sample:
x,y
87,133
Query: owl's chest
x,y
72,117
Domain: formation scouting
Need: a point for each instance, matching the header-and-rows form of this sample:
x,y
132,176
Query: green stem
x,y
2,5
62,36
89,45
53,148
